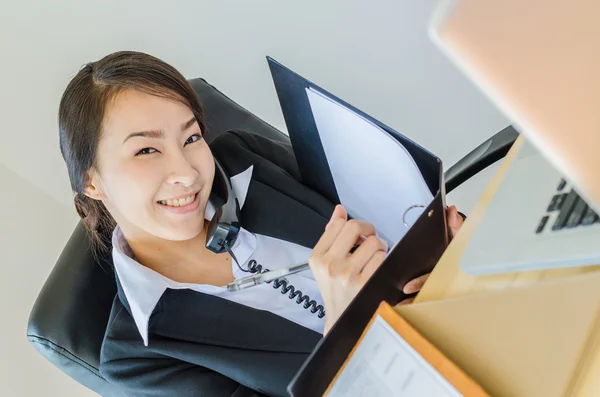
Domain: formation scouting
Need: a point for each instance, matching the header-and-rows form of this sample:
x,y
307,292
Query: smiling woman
x,y
140,85
131,133
150,152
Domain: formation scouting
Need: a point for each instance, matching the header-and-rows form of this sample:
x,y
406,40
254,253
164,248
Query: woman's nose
x,y
181,171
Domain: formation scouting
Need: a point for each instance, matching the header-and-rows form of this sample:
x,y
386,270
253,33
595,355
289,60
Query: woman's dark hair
x,y
81,114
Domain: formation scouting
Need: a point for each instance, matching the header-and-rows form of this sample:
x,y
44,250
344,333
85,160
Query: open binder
x,y
415,254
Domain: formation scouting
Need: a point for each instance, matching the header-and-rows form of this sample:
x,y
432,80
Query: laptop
x,y
539,62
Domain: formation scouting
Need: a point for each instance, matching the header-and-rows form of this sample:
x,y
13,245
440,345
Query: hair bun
x,y
80,206
96,219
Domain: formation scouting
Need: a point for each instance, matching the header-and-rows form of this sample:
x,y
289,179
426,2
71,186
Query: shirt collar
x,y
143,287
240,184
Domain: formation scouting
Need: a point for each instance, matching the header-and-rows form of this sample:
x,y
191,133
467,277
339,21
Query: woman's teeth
x,y
178,203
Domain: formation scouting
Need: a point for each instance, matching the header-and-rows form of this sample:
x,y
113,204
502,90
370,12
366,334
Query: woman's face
x,y
154,170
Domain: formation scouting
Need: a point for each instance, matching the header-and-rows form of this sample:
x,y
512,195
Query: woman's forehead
x,y
133,111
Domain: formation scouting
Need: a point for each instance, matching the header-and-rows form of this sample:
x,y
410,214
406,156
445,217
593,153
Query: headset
x,y
224,227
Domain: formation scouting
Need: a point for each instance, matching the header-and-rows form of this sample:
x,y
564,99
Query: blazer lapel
x,y
279,206
277,203
207,319
201,318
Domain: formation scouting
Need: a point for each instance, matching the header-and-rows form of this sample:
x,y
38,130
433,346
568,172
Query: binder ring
x,y
406,212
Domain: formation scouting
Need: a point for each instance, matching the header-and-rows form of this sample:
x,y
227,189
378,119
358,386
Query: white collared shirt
x,y
143,287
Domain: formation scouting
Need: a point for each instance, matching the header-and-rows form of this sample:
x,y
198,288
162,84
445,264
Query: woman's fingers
x,y
340,236
415,285
366,250
372,265
339,212
347,237
341,273
338,219
334,227
455,221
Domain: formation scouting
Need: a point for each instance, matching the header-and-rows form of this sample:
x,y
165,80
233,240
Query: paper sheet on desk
x,y
385,365
375,177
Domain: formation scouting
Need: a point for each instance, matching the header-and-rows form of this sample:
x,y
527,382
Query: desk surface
x,y
447,280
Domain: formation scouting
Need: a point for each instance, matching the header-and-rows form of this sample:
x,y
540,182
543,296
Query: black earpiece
x,y
224,227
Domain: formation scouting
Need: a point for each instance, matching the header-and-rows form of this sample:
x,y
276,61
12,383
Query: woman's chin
x,y
182,232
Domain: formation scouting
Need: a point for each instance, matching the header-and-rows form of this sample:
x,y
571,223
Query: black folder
x,y
416,253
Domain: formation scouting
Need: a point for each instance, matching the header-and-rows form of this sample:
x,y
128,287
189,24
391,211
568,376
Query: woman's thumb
x,y
338,212
455,221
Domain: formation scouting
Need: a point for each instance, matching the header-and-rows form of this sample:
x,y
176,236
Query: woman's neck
x,y
183,261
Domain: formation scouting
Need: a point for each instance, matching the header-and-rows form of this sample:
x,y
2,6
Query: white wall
x,y
374,54
34,228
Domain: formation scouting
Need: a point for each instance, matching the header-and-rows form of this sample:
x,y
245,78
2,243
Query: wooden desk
x,y
447,280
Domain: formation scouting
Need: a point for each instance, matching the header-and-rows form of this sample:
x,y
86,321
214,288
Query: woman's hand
x,y
455,221
340,274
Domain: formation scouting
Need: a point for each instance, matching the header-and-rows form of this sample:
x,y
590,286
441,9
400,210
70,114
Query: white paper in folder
x,y
376,179
385,365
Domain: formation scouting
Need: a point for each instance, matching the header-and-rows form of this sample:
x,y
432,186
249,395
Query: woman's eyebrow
x,y
159,133
146,134
188,124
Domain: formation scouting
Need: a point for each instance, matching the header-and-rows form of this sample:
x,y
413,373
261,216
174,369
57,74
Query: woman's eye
x,y
193,138
147,150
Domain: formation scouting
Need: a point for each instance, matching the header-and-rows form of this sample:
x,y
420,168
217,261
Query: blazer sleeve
x,y
246,147
161,376
141,371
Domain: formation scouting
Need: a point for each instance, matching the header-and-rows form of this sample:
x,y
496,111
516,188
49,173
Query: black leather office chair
x,y
70,315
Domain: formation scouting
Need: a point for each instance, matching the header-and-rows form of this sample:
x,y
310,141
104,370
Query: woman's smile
x,y
181,205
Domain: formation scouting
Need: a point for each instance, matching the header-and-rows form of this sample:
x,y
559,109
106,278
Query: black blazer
x,y
202,345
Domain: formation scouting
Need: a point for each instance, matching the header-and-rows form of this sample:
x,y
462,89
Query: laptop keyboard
x,y
572,211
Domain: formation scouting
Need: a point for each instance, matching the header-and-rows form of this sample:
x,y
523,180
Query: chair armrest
x,y
481,157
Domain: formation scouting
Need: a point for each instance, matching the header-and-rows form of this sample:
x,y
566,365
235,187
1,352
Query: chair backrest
x,y
69,318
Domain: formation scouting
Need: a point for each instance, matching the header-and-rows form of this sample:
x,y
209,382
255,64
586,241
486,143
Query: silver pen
x,y
265,277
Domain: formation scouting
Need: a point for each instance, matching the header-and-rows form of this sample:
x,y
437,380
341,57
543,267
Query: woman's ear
x,y
93,189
